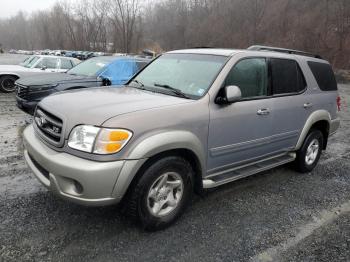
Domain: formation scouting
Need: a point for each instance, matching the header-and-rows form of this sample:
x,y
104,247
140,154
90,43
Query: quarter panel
x,y
316,116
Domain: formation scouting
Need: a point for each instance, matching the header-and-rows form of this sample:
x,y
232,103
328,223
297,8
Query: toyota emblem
x,y
41,121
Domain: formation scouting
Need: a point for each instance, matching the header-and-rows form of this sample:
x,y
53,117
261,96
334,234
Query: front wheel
x,y
162,193
310,152
7,84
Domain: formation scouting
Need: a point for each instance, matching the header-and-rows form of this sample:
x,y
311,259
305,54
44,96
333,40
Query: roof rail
x,y
202,47
282,50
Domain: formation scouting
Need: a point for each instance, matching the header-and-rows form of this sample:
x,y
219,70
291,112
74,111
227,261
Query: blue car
x,y
97,71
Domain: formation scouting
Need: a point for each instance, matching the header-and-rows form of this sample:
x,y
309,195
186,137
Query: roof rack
x,y
282,50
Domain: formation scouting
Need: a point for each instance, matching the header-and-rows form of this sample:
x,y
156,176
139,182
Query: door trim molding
x,y
229,149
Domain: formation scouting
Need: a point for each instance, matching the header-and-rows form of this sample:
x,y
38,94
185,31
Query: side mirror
x,y
232,94
105,81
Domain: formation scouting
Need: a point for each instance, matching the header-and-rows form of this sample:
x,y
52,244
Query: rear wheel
x,y
7,84
161,194
310,152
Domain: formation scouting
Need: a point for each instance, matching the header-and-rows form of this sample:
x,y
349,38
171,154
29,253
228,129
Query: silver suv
x,y
191,120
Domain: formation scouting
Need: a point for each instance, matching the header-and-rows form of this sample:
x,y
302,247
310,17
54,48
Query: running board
x,y
247,170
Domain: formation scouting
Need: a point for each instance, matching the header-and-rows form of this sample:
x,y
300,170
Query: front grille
x,y
49,125
22,91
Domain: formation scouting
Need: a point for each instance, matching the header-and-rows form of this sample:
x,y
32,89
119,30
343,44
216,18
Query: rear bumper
x,y
78,180
334,126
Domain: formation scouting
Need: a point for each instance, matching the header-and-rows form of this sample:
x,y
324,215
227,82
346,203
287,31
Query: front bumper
x,y
79,180
26,106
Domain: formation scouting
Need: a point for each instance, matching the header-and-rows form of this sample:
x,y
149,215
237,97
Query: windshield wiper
x,y
139,83
174,90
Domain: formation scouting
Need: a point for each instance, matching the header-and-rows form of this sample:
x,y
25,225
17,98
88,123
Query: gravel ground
x,y
278,215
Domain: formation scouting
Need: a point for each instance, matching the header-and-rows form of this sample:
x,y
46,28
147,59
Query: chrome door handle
x,y
263,111
308,105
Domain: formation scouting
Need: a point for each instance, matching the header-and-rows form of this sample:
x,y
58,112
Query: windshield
x,y
30,61
191,74
90,67
25,61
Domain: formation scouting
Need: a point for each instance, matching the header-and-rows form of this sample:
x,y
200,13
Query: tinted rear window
x,y
287,77
324,76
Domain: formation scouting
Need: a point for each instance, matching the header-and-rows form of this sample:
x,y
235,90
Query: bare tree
x,y
314,25
257,8
342,29
123,16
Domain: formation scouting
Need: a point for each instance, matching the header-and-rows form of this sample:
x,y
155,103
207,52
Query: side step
x,y
247,170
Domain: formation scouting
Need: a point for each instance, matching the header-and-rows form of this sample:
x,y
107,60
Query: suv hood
x,y
54,78
94,106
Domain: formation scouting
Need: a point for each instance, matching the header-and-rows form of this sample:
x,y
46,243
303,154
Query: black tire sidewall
x,y
167,164
302,165
3,78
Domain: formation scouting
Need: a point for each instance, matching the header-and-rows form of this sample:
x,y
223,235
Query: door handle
x,y
308,105
263,112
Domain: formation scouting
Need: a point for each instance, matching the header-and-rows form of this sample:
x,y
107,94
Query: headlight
x,y
83,137
111,141
97,140
42,87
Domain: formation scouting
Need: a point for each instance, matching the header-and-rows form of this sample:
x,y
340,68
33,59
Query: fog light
x,y
78,187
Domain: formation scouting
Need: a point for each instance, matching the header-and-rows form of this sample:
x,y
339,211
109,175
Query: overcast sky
x,y
11,7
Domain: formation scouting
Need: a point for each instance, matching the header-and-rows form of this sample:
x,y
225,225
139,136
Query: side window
x,y
50,63
287,76
251,76
66,64
324,76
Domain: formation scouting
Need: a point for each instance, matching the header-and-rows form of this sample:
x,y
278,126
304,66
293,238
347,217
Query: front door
x,y
241,132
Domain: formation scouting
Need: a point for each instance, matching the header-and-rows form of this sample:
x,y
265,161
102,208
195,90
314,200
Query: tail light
x,y
338,103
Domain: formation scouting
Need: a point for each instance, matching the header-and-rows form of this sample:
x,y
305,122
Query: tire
x,y
147,194
7,84
310,152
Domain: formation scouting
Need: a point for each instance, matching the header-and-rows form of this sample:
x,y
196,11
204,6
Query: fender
x,y
9,74
152,146
316,116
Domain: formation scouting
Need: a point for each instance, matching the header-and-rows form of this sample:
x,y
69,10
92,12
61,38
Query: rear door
x,y
291,102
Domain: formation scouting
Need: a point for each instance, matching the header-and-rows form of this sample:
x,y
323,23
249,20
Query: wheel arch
x,y
74,88
10,74
159,146
186,154
323,126
320,120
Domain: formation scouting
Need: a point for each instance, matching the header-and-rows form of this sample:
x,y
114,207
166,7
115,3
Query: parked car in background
x,y
70,54
99,71
45,52
96,54
33,65
191,120
84,55
60,53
